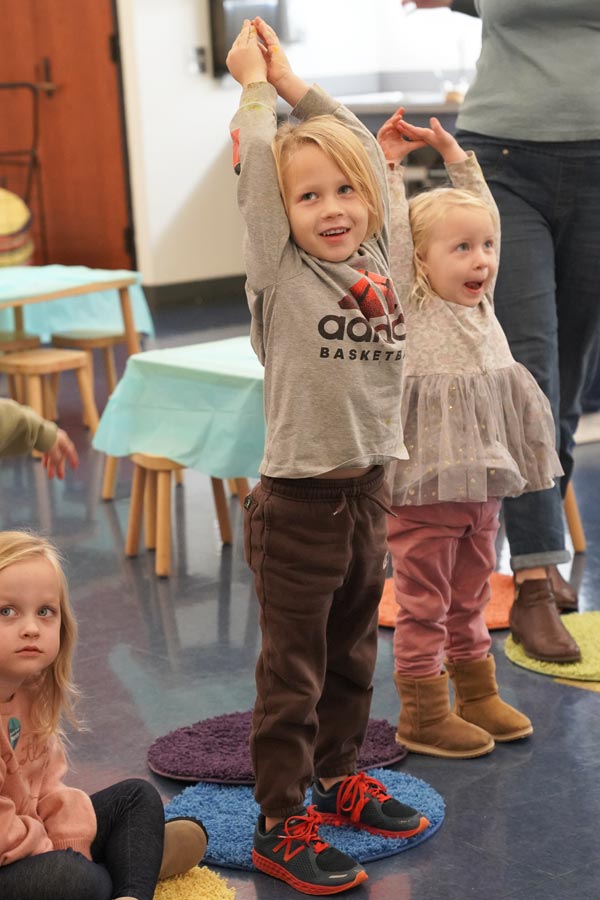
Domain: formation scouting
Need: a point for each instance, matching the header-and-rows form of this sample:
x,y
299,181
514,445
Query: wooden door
x,y
82,153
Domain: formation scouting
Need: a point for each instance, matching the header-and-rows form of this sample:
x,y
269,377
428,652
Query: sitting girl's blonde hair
x,y
344,149
54,694
424,211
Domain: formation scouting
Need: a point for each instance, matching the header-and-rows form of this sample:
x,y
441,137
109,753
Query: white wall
x,y
185,215
352,36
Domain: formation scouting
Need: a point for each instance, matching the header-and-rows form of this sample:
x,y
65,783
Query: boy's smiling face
x,y
327,217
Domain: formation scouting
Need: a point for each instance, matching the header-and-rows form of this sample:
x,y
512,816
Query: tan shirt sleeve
x,y
22,430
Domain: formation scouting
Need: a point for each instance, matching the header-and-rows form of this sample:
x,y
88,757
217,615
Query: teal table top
x,y
200,405
99,309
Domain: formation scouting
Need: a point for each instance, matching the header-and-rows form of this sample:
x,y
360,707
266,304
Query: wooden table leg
x,y
163,524
90,412
132,541
574,520
222,510
131,336
34,396
109,481
150,510
110,369
242,489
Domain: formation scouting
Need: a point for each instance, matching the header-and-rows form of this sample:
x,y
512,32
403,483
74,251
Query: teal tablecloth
x,y
100,309
200,405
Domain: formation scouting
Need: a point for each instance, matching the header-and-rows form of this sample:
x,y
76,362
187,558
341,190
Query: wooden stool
x,y
151,495
90,340
574,520
33,365
13,342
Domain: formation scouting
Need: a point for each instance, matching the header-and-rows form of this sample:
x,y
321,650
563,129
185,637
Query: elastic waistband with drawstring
x,y
328,489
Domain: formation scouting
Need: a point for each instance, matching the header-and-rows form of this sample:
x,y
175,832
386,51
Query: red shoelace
x,y
356,791
304,829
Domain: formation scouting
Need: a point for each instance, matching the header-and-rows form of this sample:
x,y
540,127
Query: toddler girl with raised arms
x,y
477,429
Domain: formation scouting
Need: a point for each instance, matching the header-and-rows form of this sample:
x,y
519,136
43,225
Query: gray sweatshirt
x,y
538,75
331,335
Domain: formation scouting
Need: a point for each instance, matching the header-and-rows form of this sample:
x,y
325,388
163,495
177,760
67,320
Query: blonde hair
x,y
344,149
424,211
53,690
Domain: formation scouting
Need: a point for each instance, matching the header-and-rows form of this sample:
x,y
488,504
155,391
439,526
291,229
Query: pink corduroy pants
x,y
443,556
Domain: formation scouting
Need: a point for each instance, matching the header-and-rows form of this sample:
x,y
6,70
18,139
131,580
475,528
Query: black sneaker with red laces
x,y
294,852
364,803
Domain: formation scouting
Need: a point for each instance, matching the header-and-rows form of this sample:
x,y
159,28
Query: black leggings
x,y
126,853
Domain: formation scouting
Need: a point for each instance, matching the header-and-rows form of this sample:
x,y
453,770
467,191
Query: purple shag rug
x,y
217,750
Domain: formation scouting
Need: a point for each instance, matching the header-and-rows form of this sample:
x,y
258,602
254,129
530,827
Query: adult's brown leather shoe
x,y
535,623
564,594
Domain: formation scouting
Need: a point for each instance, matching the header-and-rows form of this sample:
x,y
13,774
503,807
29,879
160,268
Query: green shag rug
x,y
585,628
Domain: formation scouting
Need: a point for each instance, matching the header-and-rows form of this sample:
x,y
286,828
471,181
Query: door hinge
x,y
114,48
129,241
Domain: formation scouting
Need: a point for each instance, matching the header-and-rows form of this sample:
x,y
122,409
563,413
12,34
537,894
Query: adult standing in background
x,y
532,116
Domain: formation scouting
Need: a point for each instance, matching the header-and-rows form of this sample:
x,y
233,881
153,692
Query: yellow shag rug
x,y
585,628
197,884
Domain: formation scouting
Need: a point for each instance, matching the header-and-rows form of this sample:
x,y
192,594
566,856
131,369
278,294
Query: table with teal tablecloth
x,y
199,405
22,286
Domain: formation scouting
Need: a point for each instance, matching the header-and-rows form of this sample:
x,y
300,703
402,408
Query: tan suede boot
x,y
426,724
477,700
184,846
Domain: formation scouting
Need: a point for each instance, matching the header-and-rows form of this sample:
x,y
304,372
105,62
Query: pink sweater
x,y
38,812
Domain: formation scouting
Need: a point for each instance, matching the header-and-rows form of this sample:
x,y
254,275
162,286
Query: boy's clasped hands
x,y
256,54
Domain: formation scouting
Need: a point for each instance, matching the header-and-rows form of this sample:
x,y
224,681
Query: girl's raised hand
x,y
246,60
436,137
392,141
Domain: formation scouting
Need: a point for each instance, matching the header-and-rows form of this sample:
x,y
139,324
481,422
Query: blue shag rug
x,y
229,813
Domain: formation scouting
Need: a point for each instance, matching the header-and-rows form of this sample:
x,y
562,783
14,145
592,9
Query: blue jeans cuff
x,y
533,560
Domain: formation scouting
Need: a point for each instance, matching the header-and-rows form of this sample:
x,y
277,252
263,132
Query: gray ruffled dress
x,y
476,423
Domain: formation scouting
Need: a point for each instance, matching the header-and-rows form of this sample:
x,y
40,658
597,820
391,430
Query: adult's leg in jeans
x,y
525,300
526,307
129,839
577,238
57,875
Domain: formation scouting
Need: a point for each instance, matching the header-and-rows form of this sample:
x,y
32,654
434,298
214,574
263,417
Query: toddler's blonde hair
x,y
424,211
53,690
344,149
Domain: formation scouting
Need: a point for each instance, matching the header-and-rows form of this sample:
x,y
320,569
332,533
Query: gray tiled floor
x,y
153,655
